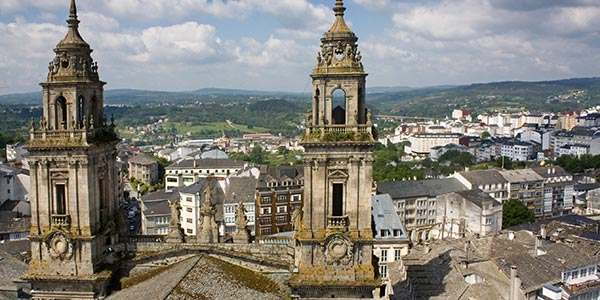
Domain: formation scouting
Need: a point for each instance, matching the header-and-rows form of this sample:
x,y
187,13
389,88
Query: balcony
x,y
60,221
337,223
339,133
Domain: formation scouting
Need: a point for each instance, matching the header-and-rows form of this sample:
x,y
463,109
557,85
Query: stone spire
x,y
340,23
73,61
339,51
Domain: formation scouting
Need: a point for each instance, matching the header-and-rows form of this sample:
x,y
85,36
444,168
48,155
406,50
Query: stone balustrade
x,y
60,220
338,223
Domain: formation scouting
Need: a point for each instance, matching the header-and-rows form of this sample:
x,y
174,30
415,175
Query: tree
x,y
504,162
485,135
258,155
514,212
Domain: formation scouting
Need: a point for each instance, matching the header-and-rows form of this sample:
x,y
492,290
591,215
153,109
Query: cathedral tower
x,y
335,239
73,179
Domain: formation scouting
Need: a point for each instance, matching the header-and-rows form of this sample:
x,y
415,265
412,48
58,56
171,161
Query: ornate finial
x,y
339,8
73,21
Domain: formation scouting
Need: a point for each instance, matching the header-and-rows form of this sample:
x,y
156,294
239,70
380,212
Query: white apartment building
x,y
423,142
189,171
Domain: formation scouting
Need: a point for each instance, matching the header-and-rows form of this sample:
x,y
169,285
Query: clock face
x,y
59,246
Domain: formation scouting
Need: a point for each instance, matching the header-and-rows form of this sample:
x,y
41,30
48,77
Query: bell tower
x,y
72,148
334,243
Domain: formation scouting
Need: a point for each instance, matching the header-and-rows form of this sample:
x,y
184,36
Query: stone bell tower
x,y
73,179
335,241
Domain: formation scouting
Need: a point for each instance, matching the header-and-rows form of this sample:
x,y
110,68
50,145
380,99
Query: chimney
x,y
543,232
536,245
513,283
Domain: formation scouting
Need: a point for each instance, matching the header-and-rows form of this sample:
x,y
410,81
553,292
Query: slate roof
x,y
143,159
241,189
171,195
10,269
478,197
421,188
555,171
385,217
523,175
157,208
10,223
483,177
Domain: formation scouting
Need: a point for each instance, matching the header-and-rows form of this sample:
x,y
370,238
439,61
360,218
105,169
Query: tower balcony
x,y
60,221
339,133
67,137
338,223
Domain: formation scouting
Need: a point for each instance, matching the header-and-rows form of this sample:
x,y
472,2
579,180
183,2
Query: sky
x,y
184,45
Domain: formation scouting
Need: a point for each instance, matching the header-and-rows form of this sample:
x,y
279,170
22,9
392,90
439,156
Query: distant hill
x,y
132,96
507,96
436,101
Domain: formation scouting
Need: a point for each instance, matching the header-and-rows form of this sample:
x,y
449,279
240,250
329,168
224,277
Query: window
x,y
397,254
163,230
189,220
583,272
249,208
265,210
61,199
230,219
265,200
338,200
265,221
281,219
384,255
489,221
296,198
383,271
189,209
189,231
281,209
171,179
162,220
281,198
575,274
188,199
229,209
384,232
592,270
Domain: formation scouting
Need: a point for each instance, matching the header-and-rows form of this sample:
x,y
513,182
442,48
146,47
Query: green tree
x,y
485,135
514,212
504,162
258,155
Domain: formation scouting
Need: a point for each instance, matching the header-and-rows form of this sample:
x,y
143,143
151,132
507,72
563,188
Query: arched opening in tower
x,y
61,113
94,112
338,115
80,111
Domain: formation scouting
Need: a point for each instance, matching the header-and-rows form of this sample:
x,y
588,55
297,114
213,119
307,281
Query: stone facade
x,y
335,239
73,179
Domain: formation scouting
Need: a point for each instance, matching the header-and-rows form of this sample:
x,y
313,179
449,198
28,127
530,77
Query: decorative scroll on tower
x,y
334,239
74,232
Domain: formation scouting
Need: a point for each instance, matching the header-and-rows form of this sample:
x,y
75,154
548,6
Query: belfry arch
x,y
60,110
338,104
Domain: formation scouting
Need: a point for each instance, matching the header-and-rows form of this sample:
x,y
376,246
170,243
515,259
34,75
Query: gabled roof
x,y
483,177
241,189
161,195
478,197
143,159
421,188
158,208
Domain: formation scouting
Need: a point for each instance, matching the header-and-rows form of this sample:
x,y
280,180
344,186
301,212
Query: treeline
x,y
574,164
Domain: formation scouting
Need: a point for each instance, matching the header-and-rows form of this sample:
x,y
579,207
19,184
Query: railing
x,y
60,220
366,128
79,134
337,222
